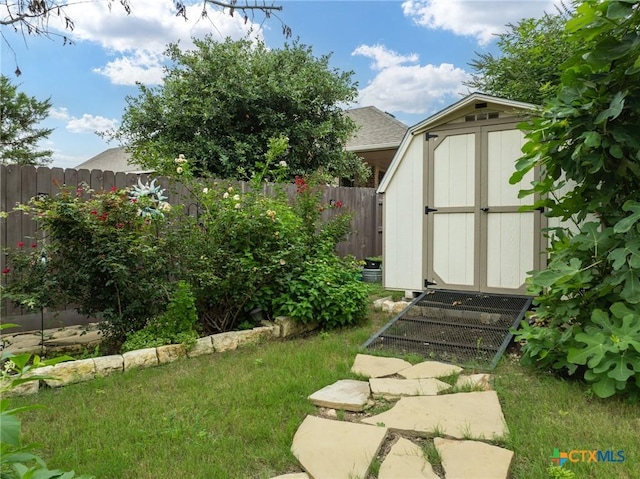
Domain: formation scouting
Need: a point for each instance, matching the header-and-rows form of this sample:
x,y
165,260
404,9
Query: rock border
x,y
81,370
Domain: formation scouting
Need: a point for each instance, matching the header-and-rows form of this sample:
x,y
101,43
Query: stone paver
x,y
475,381
463,415
389,387
68,336
346,394
430,369
406,460
329,449
377,367
293,475
473,459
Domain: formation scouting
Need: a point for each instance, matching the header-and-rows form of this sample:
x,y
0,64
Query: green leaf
x,y
591,139
616,151
604,387
618,10
631,290
614,110
621,370
9,429
594,351
627,223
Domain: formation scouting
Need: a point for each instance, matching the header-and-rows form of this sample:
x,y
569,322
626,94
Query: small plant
x,y
559,472
374,468
176,326
431,454
373,262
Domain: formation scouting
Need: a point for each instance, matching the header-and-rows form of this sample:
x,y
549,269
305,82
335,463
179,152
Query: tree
x,y
586,146
528,68
222,103
19,116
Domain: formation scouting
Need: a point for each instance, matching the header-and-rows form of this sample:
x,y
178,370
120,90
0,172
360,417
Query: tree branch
x,y
234,5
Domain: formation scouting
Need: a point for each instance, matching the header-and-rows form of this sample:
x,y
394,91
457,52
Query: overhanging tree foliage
x,y
19,135
221,103
33,17
528,67
586,142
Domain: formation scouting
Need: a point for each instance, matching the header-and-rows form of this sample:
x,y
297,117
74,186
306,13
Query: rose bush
x,y
121,254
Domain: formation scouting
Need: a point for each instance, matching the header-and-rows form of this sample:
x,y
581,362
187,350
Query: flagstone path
x,y
457,426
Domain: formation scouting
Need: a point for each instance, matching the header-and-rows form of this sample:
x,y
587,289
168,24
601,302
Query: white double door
x,y
477,239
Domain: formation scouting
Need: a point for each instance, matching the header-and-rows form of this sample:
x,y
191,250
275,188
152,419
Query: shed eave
x,y
380,146
437,119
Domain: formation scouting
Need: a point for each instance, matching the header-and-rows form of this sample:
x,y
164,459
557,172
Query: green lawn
x,y
233,415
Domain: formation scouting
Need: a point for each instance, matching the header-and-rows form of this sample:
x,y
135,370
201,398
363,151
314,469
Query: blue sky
x,y
409,57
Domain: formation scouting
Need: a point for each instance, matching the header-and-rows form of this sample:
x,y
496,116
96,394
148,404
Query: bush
x,y
103,255
588,307
324,288
176,326
249,250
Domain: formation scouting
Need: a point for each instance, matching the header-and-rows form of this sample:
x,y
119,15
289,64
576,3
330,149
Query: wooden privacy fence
x,y
18,184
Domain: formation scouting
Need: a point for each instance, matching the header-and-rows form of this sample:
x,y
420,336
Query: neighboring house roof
x,y
444,116
377,130
114,159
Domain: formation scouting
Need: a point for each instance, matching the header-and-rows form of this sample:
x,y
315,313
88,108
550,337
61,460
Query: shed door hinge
x,y
428,283
429,136
428,210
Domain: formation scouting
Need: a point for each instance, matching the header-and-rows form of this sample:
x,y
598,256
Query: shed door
x,y
476,237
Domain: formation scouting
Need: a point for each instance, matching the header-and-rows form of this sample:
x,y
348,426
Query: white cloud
x,y
402,85
139,39
383,57
59,113
475,18
141,66
90,124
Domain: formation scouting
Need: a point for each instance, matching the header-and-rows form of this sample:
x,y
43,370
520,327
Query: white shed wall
x,y
403,222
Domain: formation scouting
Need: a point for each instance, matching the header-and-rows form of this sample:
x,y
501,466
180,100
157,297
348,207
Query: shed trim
x,y
438,117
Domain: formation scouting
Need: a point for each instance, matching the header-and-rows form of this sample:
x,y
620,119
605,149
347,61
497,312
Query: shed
x,y
451,219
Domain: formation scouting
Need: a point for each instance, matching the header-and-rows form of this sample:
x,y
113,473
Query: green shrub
x,y
176,326
102,254
325,289
248,250
588,307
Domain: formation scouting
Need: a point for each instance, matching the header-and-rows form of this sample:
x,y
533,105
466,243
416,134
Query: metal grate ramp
x,y
465,328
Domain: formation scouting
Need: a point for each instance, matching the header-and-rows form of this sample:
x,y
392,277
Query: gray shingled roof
x,y
114,159
376,129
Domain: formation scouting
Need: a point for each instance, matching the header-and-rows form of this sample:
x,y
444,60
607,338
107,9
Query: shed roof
x,y
377,130
444,116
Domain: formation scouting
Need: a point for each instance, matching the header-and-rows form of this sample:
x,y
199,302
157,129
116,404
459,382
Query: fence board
x,y
19,184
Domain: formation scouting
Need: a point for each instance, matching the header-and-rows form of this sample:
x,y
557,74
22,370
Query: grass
x,y
234,415
544,412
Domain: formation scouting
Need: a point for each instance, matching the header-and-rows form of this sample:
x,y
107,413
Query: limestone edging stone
x,y
70,372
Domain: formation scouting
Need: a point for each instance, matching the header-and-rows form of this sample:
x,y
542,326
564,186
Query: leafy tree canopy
x,y
586,146
528,68
19,135
222,102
